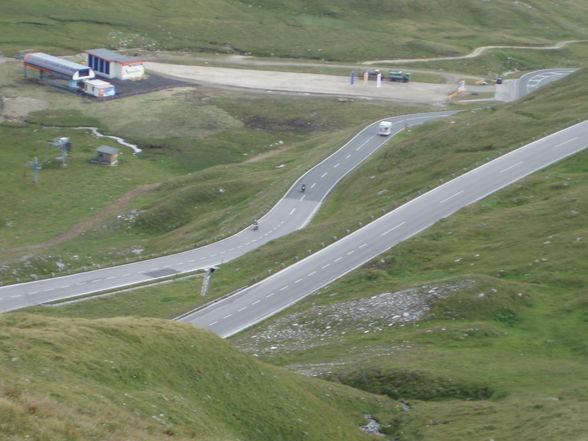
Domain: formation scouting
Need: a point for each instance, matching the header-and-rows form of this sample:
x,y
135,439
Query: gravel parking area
x,y
304,83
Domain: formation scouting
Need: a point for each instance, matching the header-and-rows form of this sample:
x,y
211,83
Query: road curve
x,y
291,213
277,292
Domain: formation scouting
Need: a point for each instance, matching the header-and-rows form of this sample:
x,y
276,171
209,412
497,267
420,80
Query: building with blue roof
x,y
109,64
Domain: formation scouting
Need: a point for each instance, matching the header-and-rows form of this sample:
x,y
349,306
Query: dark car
x,y
373,73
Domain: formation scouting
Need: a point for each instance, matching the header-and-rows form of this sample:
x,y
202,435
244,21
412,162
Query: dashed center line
x,y
292,212
242,309
313,184
326,266
283,288
256,302
338,259
565,142
311,274
227,316
212,324
348,156
362,245
512,166
364,143
337,165
349,253
324,174
451,197
270,294
393,228
297,281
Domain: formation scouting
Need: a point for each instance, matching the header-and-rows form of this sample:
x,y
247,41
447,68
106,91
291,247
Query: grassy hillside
x,y
127,379
185,133
332,29
478,322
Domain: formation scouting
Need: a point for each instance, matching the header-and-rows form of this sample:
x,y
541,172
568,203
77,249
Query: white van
x,y
385,128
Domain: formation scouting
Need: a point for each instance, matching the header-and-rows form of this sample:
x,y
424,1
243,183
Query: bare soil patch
x,y
87,225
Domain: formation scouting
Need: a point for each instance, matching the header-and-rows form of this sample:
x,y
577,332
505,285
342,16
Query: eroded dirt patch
x,y
17,108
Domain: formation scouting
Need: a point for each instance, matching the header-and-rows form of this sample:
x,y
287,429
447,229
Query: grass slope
x,y
152,379
192,147
332,29
501,286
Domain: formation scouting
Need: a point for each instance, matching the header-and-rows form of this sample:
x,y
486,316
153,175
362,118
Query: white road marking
x,y
303,196
337,165
349,253
292,212
326,266
270,294
311,274
212,324
256,302
362,245
348,156
227,316
297,281
16,296
451,197
364,143
393,228
242,309
324,174
313,184
512,166
338,259
283,288
565,142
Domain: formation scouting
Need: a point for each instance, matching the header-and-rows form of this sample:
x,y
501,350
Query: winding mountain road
x,y
277,292
296,209
291,213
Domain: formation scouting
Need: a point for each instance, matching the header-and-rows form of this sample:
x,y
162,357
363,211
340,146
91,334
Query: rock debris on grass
x,y
318,325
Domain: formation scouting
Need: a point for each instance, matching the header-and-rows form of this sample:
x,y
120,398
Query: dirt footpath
x,y
413,92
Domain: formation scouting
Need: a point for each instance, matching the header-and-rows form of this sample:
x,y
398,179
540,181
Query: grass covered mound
x,y
114,379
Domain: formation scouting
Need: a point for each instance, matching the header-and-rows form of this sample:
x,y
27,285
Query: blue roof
x,y
55,64
109,55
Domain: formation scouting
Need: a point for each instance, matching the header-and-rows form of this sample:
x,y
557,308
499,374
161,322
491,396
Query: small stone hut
x,y
106,155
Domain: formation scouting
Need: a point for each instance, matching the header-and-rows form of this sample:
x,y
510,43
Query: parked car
x,y
400,76
373,73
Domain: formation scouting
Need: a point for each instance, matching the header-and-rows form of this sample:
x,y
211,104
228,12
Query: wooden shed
x,y
106,155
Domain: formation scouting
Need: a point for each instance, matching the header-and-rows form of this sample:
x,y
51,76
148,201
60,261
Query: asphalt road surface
x,y
512,90
277,292
291,213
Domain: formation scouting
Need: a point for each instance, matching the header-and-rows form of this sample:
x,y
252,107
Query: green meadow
x,y
332,29
474,329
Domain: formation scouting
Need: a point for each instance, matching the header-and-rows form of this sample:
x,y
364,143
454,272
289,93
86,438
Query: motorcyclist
x,y
255,225
303,188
